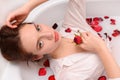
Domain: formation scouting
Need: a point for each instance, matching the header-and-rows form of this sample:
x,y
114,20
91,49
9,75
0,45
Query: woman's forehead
x,y
28,37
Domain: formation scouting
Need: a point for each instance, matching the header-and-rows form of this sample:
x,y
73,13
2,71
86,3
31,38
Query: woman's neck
x,y
67,47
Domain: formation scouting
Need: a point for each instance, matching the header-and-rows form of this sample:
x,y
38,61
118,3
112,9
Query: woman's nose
x,y
47,35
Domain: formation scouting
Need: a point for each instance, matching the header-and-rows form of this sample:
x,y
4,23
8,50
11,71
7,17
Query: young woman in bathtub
x,y
67,60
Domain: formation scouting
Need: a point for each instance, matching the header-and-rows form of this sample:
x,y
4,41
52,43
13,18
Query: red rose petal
x,y
100,19
42,72
96,19
77,39
106,17
51,77
68,30
55,26
46,63
94,23
113,21
102,78
99,35
97,28
89,20
115,33
106,35
109,38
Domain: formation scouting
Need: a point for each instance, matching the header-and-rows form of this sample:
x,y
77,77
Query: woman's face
x,y
39,39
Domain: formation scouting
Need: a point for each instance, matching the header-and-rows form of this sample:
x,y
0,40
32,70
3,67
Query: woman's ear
x,y
35,58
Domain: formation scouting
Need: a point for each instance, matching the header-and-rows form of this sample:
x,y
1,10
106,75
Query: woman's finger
x,y
84,35
10,22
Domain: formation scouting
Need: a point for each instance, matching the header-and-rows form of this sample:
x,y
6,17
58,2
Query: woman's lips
x,y
56,36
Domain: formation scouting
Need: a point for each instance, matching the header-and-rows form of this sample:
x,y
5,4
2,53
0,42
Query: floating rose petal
x,y
46,63
68,30
94,23
100,19
106,35
42,72
115,33
106,17
77,39
99,35
51,77
96,19
55,26
109,38
97,28
113,21
102,78
89,20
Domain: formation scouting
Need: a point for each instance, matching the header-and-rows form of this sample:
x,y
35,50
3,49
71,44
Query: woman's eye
x,y
41,44
38,28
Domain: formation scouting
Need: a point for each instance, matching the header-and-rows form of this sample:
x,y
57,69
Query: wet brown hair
x,y
10,44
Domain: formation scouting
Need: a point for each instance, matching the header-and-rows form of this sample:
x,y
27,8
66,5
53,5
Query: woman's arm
x,y
31,4
110,65
20,14
75,16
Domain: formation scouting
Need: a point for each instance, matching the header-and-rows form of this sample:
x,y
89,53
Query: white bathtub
x,y
53,12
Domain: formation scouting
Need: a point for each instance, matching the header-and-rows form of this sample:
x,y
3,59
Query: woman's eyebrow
x,y
35,26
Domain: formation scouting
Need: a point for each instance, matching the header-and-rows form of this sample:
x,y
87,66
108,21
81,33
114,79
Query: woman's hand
x,y
96,44
92,42
17,17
